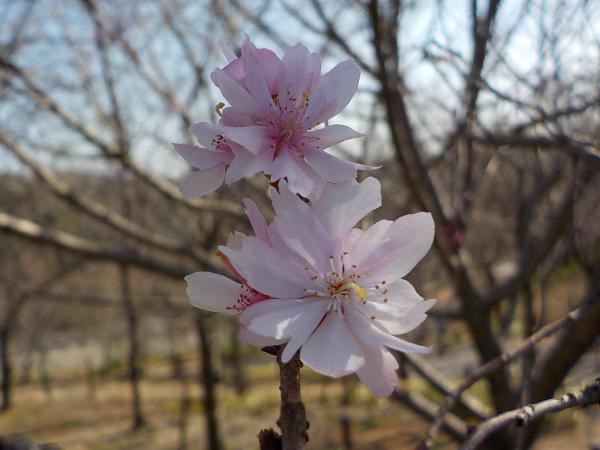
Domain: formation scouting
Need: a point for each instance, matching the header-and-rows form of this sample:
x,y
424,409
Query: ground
x,y
76,420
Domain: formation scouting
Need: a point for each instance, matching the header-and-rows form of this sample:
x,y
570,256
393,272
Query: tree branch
x,y
587,396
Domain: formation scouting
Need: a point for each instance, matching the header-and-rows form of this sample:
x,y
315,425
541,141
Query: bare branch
x,y
491,367
587,396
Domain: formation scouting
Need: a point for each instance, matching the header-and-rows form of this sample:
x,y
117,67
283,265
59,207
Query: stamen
x,y
219,107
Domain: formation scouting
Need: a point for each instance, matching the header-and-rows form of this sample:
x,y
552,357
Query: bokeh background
x,y
485,113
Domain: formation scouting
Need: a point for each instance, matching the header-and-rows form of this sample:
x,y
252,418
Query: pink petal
x,y
266,270
205,133
235,94
257,220
330,167
332,349
341,206
300,230
253,138
333,93
201,158
411,237
268,62
369,246
379,371
212,292
299,72
198,184
332,134
245,163
373,336
256,83
301,178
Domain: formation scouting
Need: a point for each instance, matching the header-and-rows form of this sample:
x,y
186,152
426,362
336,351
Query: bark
x,y
292,415
6,368
133,360
239,377
208,382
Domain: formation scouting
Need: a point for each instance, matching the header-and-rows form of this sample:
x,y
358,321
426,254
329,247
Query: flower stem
x,y
292,415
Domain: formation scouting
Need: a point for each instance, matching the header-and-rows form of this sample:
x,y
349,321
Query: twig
x,y
490,367
292,415
445,386
452,424
587,396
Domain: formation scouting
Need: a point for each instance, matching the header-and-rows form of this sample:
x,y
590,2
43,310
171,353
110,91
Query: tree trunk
x,y
207,383
134,365
6,368
239,377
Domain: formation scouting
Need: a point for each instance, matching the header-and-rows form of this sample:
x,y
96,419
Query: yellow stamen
x,y
360,292
219,107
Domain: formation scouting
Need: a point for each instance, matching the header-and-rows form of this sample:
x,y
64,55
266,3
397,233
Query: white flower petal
x,y
251,338
411,237
212,292
379,371
286,319
332,349
341,206
266,270
373,336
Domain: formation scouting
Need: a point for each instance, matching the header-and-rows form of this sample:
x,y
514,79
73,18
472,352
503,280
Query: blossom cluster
x,y
308,281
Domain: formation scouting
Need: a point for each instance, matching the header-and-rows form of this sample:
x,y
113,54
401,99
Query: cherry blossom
x,y
273,122
311,280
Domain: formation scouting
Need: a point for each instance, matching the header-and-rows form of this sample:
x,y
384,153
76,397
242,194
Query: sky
x,y
433,98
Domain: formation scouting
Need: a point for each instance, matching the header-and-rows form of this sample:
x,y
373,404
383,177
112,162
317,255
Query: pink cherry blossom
x,y
329,290
272,123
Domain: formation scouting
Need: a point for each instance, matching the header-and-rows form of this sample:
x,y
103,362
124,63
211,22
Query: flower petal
x,y
288,319
333,93
300,230
341,206
330,167
245,163
257,220
253,138
235,94
201,158
379,371
212,292
206,134
408,240
332,349
251,338
200,183
373,336
266,270
331,135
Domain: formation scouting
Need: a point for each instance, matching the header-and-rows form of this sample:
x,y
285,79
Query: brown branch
x,y
452,424
95,250
587,396
445,386
493,366
540,142
97,210
113,152
292,415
